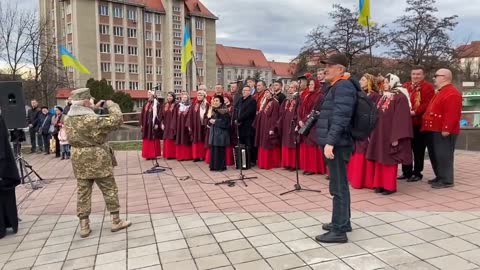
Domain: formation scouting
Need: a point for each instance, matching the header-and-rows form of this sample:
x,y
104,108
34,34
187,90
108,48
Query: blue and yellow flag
x,y
187,53
70,61
364,15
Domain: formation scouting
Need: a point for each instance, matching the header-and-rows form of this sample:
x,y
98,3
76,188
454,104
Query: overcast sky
x,y
278,27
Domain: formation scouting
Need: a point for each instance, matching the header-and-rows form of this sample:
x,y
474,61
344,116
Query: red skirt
x,y
198,150
385,176
269,158
360,171
183,152
169,148
207,156
151,148
229,155
288,157
311,159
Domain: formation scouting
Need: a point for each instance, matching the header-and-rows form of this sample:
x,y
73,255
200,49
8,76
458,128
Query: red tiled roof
x,y
63,93
196,8
469,50
233,56
282,69
155,5
136,94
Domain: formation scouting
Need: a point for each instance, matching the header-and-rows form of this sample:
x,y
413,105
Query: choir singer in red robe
x,y
358,167
286,126
197,125
182,136
169,108
151,119
390,141
311,155
266,140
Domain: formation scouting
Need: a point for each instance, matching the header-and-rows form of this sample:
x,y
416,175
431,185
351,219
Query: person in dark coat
x,y
9,179
169,108
150,125
334,135
57,122
246,112
219,138
32,116
67,107
43,123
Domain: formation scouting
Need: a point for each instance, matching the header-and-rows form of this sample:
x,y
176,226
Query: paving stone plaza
x,y
183,224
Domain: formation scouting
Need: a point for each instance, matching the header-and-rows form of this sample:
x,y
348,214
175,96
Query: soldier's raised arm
x,y
113,121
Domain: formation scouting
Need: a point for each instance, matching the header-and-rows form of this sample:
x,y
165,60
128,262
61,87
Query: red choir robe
x,y
151,125
268,145
197,127
258,97
358,167
311,155
182,136
169,147
284,128
420,95
394,125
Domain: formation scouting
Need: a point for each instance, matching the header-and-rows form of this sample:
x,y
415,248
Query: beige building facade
x,y
134,44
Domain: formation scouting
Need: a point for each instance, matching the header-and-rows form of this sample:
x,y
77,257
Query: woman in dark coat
x,y
57,122
9,179
219,137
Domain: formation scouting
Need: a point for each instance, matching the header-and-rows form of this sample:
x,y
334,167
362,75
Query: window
x,y
177,75
148,17
148,52
149,85
176,9
131,32
118,12
199,56
176,18
104,48
177,58
104,29
118,49
109,82
119,85
199,41
132,50
105,67
200,72
177,26
157,18
118,31
199,25
120,68
133,85
69,28
158,36
68,9
158,70
177,34
177,51
158,53
148,35
132,14
148,69
177,83
177,43
103,10
133,68
229,75
177,67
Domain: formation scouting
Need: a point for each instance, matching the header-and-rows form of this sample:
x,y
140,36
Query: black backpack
x,y
364,116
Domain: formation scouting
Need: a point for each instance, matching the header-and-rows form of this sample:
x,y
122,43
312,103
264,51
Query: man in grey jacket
x,y
334,135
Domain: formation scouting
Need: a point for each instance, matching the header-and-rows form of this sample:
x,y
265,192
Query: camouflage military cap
x,y
81,94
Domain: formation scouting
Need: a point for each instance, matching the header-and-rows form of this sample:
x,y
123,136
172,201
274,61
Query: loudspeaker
x,y
12,104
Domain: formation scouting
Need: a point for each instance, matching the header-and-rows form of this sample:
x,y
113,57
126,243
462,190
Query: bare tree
x,y
423,38
14,39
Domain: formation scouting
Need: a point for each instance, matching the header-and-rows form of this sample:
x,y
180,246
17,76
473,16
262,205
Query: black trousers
x,y
33,139
8,211
57,145
46,142
418,148
441,152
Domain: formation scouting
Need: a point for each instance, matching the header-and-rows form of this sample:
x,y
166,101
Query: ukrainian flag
x,y
364,16
70,61
187,53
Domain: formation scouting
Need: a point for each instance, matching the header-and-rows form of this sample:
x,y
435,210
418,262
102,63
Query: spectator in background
x,y
43,123
57,122
67,107
32,116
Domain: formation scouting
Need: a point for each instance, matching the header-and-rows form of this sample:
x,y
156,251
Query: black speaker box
x,y
12,104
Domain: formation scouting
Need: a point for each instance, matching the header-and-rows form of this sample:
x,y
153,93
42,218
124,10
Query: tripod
x,y
297,186
241,177
25,168
156,167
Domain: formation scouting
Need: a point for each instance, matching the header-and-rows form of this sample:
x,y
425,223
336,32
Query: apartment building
x,y
134,44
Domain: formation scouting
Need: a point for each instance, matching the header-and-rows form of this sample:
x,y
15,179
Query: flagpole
x,y
369,43
196,69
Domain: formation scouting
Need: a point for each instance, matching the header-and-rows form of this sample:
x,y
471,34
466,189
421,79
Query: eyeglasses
x,y
438,75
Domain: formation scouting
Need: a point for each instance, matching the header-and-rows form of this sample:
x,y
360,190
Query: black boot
x,y
63,156
328,227
332,237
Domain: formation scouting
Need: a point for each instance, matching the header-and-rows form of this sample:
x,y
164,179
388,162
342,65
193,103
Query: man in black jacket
x,y
32,116
245,113
278,88
333,134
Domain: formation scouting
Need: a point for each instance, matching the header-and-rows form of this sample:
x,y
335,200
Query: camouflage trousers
x,y
109,189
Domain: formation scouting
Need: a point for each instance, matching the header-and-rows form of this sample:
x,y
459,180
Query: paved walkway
x,y
193,224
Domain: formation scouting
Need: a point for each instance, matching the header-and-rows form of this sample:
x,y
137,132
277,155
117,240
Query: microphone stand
x,y
297,186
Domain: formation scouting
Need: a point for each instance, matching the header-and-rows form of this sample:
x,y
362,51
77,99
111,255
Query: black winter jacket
x,y
334,122
220,131
246,112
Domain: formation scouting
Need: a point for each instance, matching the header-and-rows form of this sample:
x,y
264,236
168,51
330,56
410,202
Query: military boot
x,y
119,224
85,228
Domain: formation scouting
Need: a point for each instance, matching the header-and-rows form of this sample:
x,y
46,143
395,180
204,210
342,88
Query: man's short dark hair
x,y
418,67
279,82
262,82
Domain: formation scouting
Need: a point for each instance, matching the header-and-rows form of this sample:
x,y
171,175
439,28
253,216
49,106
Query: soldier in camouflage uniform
x,y
92,158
